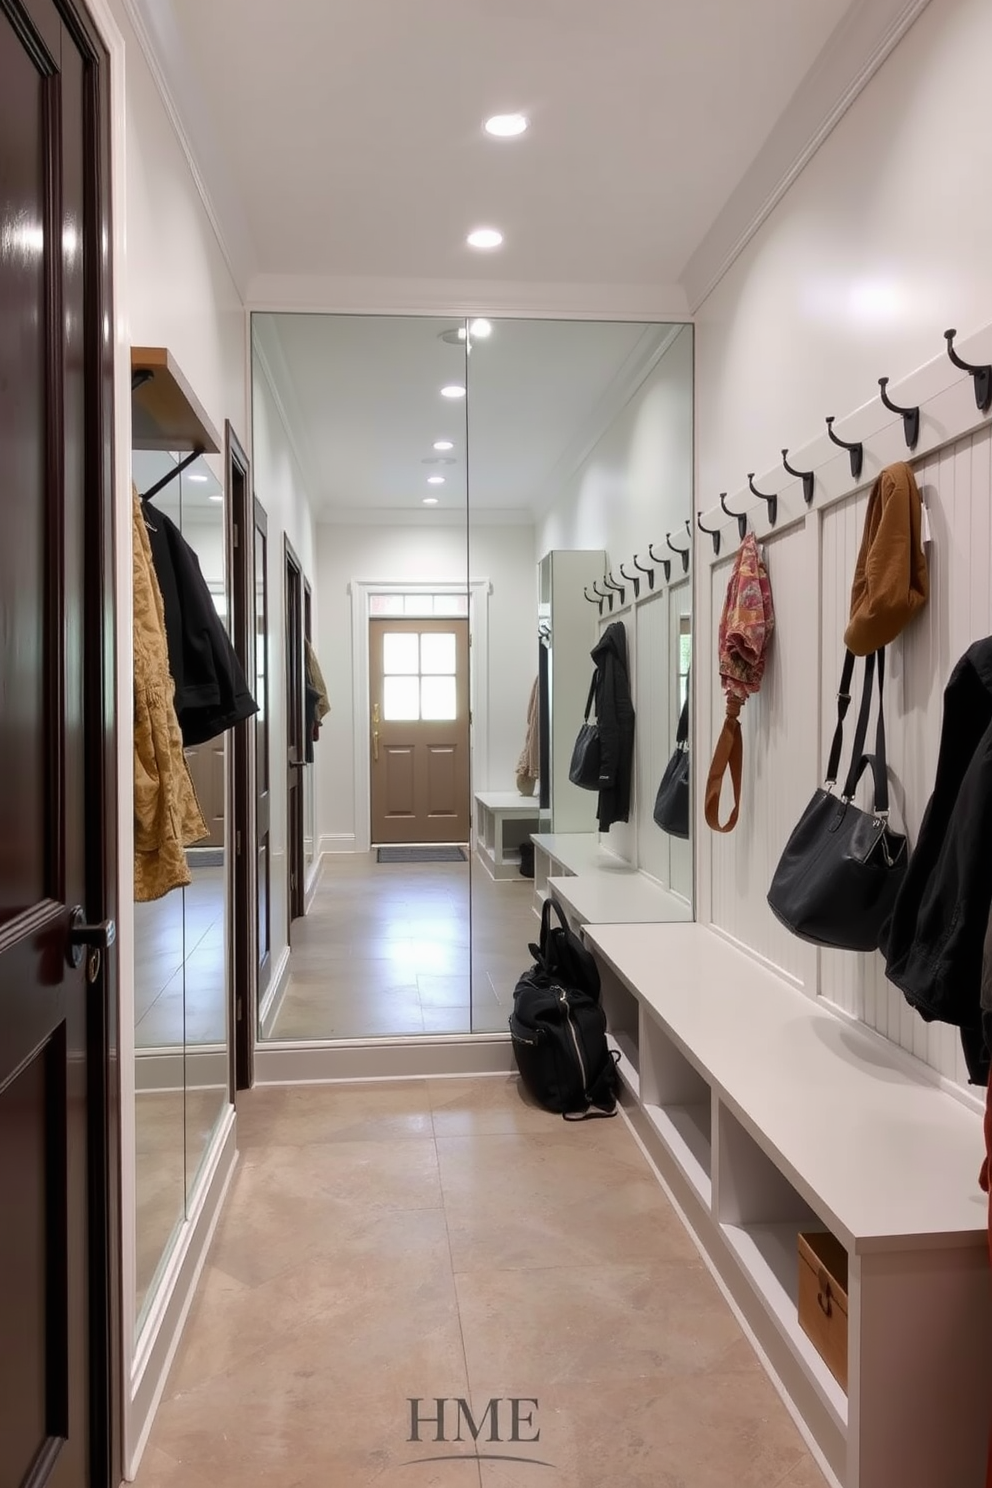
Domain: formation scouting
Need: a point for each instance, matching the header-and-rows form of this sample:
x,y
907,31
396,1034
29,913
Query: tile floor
x,y
385,949
443,1238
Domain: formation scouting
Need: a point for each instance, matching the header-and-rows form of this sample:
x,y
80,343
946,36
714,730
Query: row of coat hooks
x,y
982,376
658,560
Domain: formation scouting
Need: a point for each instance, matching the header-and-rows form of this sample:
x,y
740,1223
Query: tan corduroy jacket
x,y
167,817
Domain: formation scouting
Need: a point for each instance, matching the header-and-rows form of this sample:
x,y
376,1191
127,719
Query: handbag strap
x,y
729,753
592,694
877,761
682,732
843,703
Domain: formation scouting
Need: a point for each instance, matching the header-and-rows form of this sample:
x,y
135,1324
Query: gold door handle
x,y
375,732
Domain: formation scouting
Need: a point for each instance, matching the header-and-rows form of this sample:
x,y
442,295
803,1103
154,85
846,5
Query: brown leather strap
x,y
729,751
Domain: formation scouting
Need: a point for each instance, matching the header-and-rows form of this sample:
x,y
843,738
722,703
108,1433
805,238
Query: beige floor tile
x,y
486,1106
567,1323
161,1470
805,1474
298,1115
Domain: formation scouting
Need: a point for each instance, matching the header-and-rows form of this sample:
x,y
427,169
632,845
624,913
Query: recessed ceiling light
x,y
507,126
453,390
480,329
435,480
199,477
484,237
430,501
439,460
443,444
216,498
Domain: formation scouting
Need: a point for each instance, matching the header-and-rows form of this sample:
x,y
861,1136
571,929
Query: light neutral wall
x,y
878,247
280,487
180,292
504,556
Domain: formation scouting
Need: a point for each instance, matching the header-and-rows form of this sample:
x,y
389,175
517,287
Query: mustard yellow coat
x,y
167,816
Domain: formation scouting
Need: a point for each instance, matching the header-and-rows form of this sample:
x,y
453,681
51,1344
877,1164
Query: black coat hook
x,y
592,598
770,501
632,579
741,517
856,451
611,583
713,532
666,563
982,375
601,597
648,571
807,477
682,552
910,416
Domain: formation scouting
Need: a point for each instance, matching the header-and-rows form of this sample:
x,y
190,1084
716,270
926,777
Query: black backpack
x,y
558,1027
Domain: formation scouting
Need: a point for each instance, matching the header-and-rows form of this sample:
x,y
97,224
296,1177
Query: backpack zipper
x,y
563,999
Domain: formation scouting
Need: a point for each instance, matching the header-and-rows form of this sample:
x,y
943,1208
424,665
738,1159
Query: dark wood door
x,y
56,672
263,809
419,727
296,761
241,567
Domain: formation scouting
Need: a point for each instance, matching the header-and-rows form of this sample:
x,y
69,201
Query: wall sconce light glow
x,y
216,498
198,478
430,501
480,329
484,237
435,480
507,126
443,444
453,390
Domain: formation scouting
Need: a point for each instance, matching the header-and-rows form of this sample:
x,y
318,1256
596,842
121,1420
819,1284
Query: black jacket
x,y
933,943
615,718
211,692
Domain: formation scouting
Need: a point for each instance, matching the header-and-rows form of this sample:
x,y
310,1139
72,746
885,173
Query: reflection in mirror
x,y
583,432
181,1036
378,406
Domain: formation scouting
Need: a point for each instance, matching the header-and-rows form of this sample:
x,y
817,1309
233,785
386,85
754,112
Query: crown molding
x,y
157,32
316,293
270,359
860,44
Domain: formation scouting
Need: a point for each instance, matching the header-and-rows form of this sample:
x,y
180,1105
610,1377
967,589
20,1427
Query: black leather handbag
x,y
584,769
837,879
671,804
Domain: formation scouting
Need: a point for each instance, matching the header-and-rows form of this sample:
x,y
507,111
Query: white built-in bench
x,y
504,820
767,1114
595,886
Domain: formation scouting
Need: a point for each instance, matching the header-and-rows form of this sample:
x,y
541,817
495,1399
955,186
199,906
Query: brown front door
x,y
56,1011
418,681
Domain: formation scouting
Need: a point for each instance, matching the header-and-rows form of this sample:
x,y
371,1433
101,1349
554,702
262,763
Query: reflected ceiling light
x,y
484,237
453,390
216,498
443,444
480,329
507,126
430,501
438,460
454,337
435,480
199,477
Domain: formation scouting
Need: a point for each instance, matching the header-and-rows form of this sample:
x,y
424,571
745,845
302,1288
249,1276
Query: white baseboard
x,y
173,1067
276,990
338,842
166,1318
384,1059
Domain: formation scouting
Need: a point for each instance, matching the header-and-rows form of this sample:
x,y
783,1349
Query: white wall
x,y
504,556
881,244
280,487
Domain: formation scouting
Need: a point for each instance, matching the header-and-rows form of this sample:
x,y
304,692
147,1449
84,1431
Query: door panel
x,y
262,786
419,724
54,853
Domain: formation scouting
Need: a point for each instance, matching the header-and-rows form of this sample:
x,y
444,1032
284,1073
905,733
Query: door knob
x,y
97,937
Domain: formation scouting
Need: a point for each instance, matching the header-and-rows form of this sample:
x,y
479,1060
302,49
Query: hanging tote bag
x,y
837,879
584,769
671,804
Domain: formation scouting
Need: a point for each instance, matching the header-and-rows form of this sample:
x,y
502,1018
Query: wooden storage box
x,y
823,1299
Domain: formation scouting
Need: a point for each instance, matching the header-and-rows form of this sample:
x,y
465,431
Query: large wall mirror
x,y
182,1067
477,487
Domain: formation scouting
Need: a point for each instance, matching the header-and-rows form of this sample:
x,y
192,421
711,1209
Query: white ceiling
x,y
351,132
362,395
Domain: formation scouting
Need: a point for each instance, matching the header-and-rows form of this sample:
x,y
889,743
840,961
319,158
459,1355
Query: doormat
x,y
420,855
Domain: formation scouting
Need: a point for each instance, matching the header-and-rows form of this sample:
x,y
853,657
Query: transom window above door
x,y
418,675
418,605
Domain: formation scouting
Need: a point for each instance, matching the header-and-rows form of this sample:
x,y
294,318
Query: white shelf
x,y
579,852
627,1048
685,1130
611,898
503,820
768,1254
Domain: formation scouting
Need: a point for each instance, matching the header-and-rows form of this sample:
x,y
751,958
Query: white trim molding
x,y
348,1060
361,591
865,37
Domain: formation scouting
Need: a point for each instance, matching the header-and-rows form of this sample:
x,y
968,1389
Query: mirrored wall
x,y
181,1000
482,490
